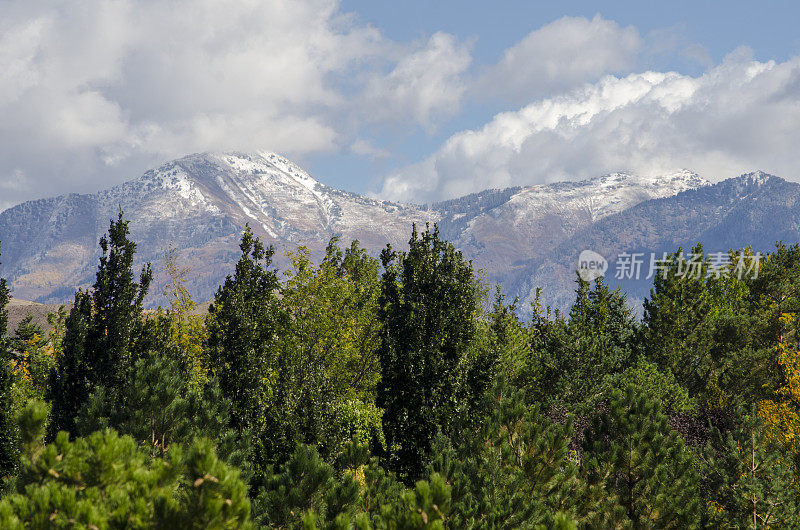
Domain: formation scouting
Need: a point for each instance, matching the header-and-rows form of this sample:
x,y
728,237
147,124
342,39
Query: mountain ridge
x,y
200,203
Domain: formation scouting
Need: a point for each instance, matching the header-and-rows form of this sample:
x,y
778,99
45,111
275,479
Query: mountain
x,y
199,205
519,234
754,210
523,237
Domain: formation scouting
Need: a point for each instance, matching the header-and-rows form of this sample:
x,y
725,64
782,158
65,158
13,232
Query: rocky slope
x,y
522,238
198,204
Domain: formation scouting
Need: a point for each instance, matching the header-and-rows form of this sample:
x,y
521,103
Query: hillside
x,y
522,237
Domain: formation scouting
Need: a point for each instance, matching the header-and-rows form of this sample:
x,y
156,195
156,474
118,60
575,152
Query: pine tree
x,y
151,407
27,331
429,308
602,339
69,382
306,487
160,408
631,451
8,431
695,327
101,329
425,507
107,481
516,470
750,479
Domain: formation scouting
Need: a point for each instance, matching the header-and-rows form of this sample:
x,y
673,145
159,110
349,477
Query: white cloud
x,y
559,56
739,116
366,148
93,92
425,86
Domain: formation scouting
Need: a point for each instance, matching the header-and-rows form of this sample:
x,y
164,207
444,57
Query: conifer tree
x,y
684,317
631,451
27,331
306,488
429,307
602,338
107,481
101,329
750,478
516,470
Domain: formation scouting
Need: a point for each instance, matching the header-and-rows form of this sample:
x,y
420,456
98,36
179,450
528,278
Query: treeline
x,y
397,393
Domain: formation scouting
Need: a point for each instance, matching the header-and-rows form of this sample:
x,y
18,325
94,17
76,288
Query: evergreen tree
x,y
750,479
307,488
243,325
117,307
27,331
8,431
101,329
429,307
631,451
107,481
69,382
425,507
695,327
516,471
600,338
159,408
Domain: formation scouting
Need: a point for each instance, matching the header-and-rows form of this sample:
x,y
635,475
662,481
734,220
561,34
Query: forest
x,y
403,392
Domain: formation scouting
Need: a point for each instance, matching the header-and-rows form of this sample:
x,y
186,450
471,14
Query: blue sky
x,y
415,101
770,28
716,28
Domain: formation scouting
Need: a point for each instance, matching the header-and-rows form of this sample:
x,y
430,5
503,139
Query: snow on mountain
x,y
199,205
533,221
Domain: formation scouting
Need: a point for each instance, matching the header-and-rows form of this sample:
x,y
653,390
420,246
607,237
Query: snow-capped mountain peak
x,y
200,203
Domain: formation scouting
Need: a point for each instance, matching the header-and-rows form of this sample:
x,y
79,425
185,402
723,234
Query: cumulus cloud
x,y
739,116
92,93
426,85
559,56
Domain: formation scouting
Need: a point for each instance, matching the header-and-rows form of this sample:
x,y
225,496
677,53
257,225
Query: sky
x,y
413,101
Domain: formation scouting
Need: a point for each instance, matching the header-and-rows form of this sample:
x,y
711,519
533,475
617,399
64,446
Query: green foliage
x,y
333,315
187,329
339,396
696,328
751,479
307,488
243,324
425,507
159,408
106,480
152,407
631,452
648,380
33,359
429,307
517,471
572,356
101,329
8,431
327,367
